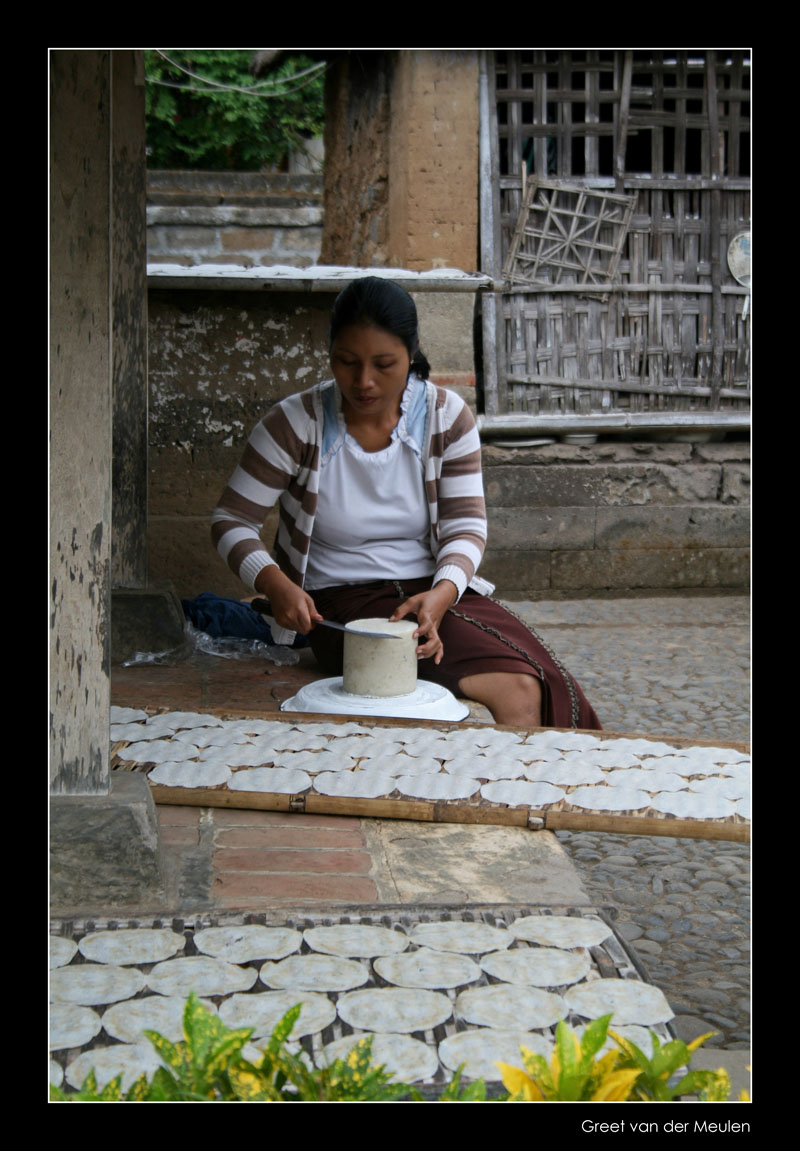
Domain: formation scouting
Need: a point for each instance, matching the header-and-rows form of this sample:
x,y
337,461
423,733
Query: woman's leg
x,y
512,699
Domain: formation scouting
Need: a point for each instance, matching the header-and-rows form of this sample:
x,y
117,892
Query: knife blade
x,y
263,605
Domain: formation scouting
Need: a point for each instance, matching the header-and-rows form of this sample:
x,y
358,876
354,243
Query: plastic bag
x,y
198,647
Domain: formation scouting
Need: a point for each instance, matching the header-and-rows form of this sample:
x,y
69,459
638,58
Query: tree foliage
x,y
193,123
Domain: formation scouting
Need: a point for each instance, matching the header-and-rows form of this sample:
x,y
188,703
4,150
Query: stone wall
x,y
246,218
618,517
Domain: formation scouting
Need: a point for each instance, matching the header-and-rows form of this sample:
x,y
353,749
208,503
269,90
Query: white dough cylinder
x,y
380,667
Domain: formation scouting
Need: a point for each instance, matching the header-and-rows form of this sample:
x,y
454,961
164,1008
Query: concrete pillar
x,y
103,832
80,419
401,159
129,322
433,160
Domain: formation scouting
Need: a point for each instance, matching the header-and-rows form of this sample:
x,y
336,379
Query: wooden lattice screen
x,y
662,329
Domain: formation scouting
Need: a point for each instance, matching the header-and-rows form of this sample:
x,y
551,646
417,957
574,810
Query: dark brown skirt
x,y
479,635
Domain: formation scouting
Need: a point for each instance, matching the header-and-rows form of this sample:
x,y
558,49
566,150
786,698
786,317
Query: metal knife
x,y
263,605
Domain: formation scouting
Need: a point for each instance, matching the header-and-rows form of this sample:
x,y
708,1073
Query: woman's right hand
x,y
292,607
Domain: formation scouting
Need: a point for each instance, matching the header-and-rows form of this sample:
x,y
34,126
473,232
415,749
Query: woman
x,y
382,515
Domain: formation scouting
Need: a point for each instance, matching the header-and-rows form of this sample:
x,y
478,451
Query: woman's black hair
x,y
379,303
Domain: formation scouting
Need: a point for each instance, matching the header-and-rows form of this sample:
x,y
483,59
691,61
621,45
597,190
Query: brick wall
x,y
246,218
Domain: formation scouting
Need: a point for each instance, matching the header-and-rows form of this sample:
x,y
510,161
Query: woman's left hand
x,y
429,607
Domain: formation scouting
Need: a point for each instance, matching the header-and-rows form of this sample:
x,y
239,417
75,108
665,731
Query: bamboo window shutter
x,y
623,177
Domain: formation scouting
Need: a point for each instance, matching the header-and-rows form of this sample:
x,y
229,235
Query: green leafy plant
x,y
576,1072
573,1073
656,1074
205,111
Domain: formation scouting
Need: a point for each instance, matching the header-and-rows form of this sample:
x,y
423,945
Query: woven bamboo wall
x,y
667,332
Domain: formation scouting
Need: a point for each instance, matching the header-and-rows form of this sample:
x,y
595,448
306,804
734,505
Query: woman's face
x,y
371,367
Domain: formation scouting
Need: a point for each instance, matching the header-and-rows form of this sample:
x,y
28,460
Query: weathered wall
x,y
247,218
80,419
401,159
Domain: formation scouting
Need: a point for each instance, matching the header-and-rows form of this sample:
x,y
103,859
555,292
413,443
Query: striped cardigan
x,y
281,463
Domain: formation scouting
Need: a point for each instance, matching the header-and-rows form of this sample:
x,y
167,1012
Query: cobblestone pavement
x,y
668,667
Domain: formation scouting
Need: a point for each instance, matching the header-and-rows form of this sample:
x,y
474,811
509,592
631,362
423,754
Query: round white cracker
x,y
726,787
482,1050
237,755
520,793
466,938
263,1010
433,745
648,779
439,786
602,756
61,951
126,714
688,805
314,973
157,751
297,741
394,1009
563,774
355,784
609,798
628,1000
386,765
356,745
126,1059
481,767
72,1025
91,983
574,741
189,774
133,732
542,753
202,737
161,1013
678,764
407,1060
720,755
564,931
313,761
642,747
201,974
404,765
506,1006
248,941
427,968
281,780
538,966
355,940
131,945
185,719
